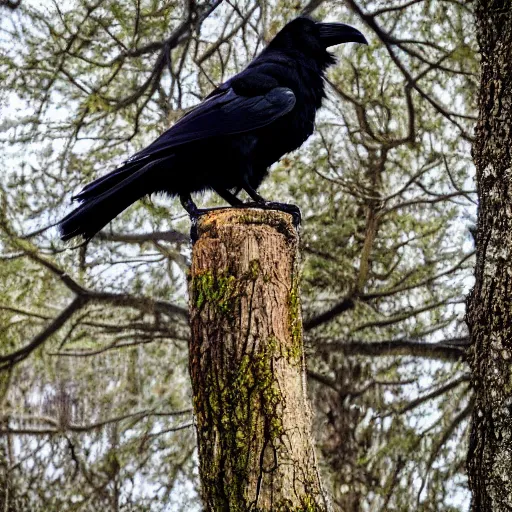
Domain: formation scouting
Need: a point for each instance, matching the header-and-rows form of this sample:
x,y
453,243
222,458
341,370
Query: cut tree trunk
x,y
489,313
247,366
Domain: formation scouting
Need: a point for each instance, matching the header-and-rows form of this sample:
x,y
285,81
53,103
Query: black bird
x,y
227,142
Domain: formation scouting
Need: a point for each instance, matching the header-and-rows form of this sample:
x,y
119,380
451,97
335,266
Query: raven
x,y
227,142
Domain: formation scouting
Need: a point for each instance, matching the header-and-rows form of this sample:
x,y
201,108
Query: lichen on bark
x,y
489,313
247,366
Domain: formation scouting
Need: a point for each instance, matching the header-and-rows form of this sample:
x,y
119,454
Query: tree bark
x,y
490,304
247,366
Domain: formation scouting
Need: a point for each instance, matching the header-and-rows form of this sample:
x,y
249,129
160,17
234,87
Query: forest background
x,y
95,400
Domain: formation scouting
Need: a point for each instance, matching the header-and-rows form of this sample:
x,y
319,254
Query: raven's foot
x,y
292,209
195,213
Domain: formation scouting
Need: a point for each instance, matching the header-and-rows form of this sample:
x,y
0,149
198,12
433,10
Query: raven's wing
x,y
223,114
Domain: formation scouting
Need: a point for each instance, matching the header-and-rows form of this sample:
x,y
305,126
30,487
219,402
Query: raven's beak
x,y
336,33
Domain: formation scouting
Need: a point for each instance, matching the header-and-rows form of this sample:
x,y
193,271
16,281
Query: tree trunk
x,y
490,304
247,366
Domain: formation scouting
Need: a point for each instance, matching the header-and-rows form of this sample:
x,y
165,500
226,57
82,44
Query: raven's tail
x,y
107,197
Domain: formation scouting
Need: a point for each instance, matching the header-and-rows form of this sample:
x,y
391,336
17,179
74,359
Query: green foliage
x,y
386,190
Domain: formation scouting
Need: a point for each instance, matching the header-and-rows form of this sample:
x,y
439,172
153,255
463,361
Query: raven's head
x,y
311,37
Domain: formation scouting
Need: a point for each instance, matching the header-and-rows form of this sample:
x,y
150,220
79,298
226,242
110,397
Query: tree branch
x,y
390,41
442,350
434,394
344,305
14,358
170,235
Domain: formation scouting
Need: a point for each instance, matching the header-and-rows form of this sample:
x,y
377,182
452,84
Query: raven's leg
x,y
261,202
194,213
252,193
228,196
189,205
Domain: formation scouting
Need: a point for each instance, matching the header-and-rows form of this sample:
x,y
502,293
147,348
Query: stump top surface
x,y
208,225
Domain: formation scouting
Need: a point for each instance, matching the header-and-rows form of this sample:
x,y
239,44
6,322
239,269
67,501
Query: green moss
x,y
254,269
244,406
219,291
308,504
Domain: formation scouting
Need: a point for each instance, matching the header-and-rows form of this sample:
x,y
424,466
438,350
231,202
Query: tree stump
x,y
247,365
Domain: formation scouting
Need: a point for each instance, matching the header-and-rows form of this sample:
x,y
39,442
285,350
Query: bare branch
x,y
424,282
400,317
390,41
434,394
138,238
142,303
401,7
344,305
459,418
445,351
14,358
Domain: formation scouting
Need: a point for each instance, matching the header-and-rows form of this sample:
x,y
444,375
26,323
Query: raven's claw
x,y
292,209
194,217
